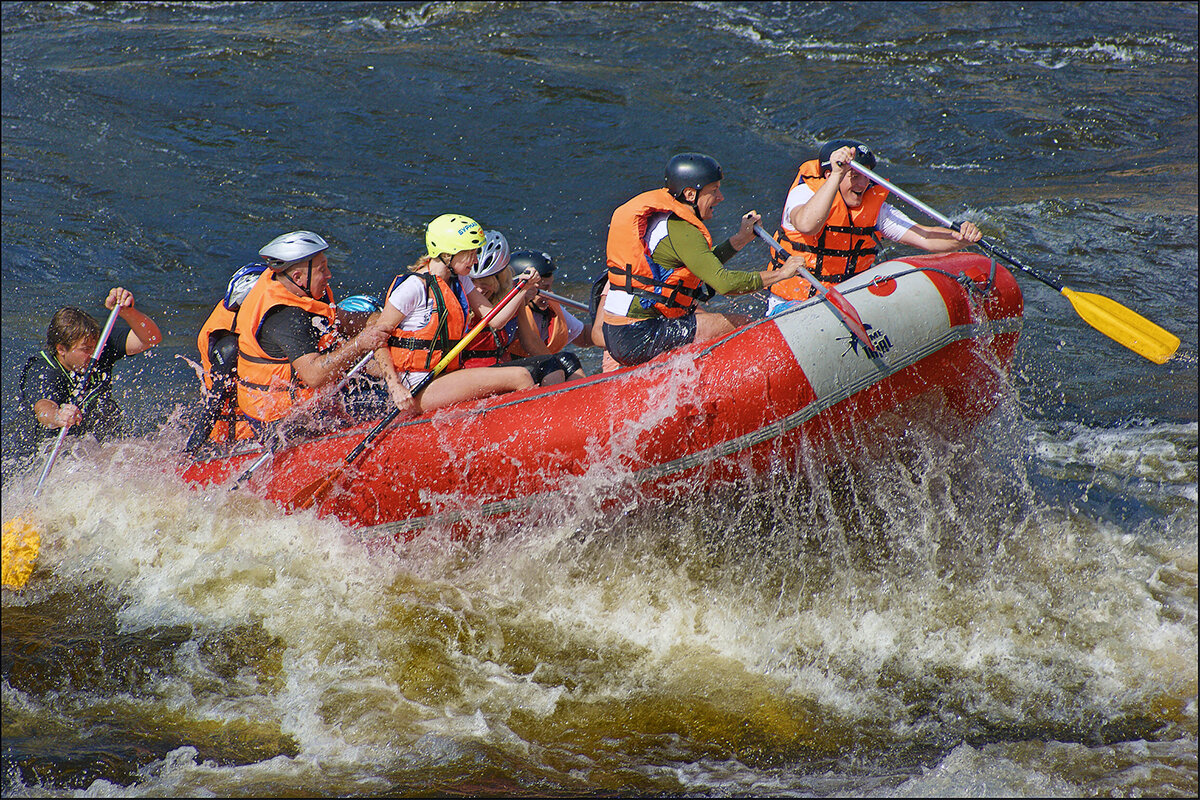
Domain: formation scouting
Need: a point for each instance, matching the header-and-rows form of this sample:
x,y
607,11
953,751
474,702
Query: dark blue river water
x,y
1012,612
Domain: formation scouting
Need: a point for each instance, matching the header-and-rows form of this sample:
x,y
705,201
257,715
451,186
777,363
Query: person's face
x,y
461,263
76,357
321,275
708,198
489,285
852,187
547,282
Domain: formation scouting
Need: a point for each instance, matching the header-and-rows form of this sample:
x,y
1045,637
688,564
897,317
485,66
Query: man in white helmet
x,y
288,343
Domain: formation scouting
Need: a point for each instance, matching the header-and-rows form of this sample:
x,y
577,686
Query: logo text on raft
x,y
878,338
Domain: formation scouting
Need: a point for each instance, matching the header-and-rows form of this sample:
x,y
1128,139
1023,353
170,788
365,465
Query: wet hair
x,y
70,326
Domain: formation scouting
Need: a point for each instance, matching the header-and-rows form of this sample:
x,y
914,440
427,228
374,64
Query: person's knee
x,y
553,377
521,379
710,326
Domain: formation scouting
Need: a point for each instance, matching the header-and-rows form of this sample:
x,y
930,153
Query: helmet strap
x,y
306,289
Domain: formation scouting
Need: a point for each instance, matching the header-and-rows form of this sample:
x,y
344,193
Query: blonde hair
x,y
504,283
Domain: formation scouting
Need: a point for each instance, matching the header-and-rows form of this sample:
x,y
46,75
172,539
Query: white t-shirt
x,y
892,224
412,299
574,326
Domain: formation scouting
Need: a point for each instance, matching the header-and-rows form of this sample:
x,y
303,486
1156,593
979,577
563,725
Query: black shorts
x,y
541,366
638,342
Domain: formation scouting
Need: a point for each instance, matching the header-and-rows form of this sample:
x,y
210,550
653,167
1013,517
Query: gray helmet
x,y
292,248
522,260
493,256
690,170
864,155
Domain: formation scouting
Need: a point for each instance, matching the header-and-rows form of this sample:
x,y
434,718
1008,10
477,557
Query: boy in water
x,y
51,397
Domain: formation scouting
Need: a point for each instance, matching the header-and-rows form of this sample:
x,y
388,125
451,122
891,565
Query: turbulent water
x,y
1010,610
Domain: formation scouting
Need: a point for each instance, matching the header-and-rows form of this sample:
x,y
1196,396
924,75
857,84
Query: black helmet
x,y
864,156
522,260
694,170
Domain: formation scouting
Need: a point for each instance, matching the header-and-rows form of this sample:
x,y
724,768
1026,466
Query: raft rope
x,y
967,281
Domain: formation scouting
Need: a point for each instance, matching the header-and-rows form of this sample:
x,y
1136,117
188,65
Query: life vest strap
x,y
676,290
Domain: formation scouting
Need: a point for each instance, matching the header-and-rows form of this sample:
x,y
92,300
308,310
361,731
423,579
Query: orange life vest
x,y
227,427
555,335
421,350
220,321
268,387
845,246
631,266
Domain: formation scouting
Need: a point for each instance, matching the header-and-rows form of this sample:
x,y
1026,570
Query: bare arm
x,y
52,415
143,333
941,240
389,319
810,217
317,369
482,306
528,335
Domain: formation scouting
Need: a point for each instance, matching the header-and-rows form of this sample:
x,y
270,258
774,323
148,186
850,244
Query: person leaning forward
x,y
50,394
662,264
289,345
832,215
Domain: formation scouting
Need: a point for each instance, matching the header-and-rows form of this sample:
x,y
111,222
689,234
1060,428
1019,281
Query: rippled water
x,y
1006,611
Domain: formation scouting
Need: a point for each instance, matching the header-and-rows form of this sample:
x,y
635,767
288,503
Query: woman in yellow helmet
x,y
426,315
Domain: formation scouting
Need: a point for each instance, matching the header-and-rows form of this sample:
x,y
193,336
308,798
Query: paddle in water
x,y
314,491
1126,327
21,540
840,305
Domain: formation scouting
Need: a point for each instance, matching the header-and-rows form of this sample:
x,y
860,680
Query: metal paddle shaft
x,y
566,301
245,476
841,307
79,394
1122,325
313,491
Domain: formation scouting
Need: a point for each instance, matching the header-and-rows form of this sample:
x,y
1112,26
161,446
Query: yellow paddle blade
x,y
21,542
1124,326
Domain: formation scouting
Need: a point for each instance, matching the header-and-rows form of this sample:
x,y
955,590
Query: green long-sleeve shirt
x,y
685,246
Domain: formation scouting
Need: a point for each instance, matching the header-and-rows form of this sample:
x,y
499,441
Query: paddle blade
x,y
21,543
310,494
850,318
1124,326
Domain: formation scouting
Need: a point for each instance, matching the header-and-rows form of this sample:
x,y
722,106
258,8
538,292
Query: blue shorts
x,y
638,342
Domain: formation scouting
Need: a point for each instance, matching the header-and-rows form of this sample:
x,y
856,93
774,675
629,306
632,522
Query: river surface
x,y
1010,610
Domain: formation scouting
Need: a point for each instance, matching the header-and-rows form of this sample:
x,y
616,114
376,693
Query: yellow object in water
x,y
21,543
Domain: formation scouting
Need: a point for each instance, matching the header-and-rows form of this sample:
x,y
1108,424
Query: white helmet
x,y
493,256
292,248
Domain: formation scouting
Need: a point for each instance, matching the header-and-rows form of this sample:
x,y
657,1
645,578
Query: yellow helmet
x,y
453,233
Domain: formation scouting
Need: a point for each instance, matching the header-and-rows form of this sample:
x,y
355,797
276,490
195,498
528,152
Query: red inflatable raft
x,y
944,324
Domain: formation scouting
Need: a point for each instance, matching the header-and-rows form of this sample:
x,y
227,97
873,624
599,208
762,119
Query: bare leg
x,y
472,384
712,325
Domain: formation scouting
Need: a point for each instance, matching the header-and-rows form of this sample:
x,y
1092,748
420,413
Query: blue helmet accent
x,y
241,283
361,302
